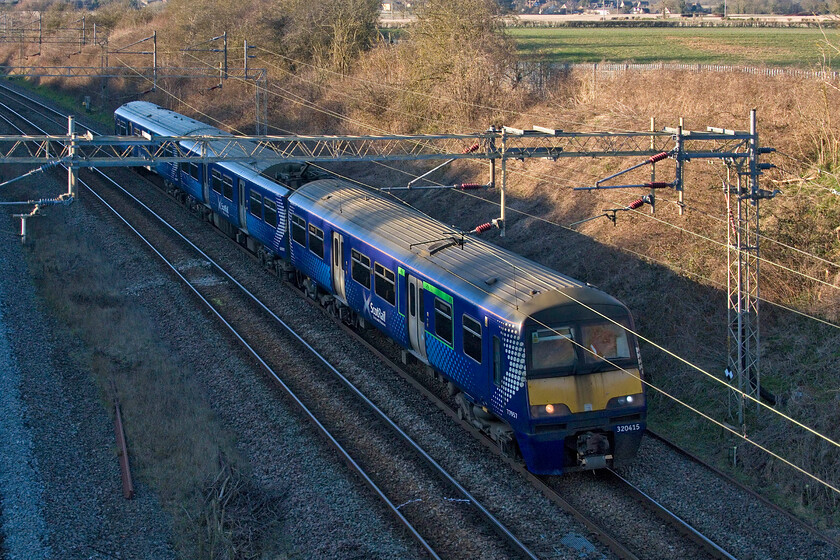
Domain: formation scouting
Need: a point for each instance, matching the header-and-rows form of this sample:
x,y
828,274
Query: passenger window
x,y
193,170
316,241
256,204
384,284
421,310
270,212
360,268
216,181
228,186
299,230
497,360
443,320
472,338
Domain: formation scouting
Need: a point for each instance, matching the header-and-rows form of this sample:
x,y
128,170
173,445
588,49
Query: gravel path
x,y
21,518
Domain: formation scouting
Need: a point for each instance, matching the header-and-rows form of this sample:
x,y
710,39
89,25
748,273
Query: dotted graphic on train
x,y
545,365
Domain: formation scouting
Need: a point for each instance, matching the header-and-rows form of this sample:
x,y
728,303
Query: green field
x,y
724,45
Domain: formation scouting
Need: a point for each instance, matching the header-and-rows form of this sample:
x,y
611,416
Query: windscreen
x,y
604,340
552,348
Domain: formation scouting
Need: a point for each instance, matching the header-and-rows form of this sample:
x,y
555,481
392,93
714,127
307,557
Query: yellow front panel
x,y
577,391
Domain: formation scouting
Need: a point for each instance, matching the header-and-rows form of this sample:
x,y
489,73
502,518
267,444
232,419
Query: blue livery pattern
x,y
456,366
513,377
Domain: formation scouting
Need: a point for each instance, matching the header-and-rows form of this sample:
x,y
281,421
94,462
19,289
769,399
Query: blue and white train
x,y
546,365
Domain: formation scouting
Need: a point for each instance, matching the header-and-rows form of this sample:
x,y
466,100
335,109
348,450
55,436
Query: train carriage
x,y
244,199
543,362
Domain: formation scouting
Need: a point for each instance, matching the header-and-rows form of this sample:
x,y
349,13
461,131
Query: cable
x,y
683,360
760,235
726,246
817,169
697,411
314,106
360,99
701,370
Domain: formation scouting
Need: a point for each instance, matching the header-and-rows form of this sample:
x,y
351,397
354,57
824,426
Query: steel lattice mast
x,y
743,202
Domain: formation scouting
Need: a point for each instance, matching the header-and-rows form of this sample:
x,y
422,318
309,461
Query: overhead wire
x,y
628,250
358,98
692,366
673,355
695,410
817,169
314,106
298,99
759,235
699,369
721,243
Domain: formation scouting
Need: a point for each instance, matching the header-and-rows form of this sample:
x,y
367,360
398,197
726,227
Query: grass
x,y
178,443
740,46
69,100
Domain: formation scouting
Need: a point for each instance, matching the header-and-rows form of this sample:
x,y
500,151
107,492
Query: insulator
x,y
470,186
658,157
658,185
637,203
482,228
471,149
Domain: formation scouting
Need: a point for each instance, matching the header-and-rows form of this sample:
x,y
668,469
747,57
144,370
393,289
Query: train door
x,y
338,274
205,181
416,316
243,211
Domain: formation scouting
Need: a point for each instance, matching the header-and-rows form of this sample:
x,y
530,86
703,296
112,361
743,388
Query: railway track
x,y
674,542
440,526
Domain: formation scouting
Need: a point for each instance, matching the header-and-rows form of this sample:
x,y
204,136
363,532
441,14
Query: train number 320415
x,y
628,428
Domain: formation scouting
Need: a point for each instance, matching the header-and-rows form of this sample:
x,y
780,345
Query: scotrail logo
x,y
376,313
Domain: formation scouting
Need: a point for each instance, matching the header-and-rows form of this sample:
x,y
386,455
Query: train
x,y
545,365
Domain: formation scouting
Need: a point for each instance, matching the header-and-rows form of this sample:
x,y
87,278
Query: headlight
x,y
549,410
626,400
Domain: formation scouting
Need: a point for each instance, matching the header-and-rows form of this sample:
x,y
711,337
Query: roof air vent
x,y
492,280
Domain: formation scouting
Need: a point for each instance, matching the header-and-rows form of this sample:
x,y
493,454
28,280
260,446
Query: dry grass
x,y
176,440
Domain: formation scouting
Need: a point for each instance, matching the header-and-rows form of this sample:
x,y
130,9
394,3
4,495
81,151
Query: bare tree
x,y
331,33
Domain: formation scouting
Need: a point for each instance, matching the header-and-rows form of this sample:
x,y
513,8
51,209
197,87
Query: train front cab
x,y
585,397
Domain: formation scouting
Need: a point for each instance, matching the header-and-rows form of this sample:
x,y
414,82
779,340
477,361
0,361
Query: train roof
x,y
499,280
164,122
